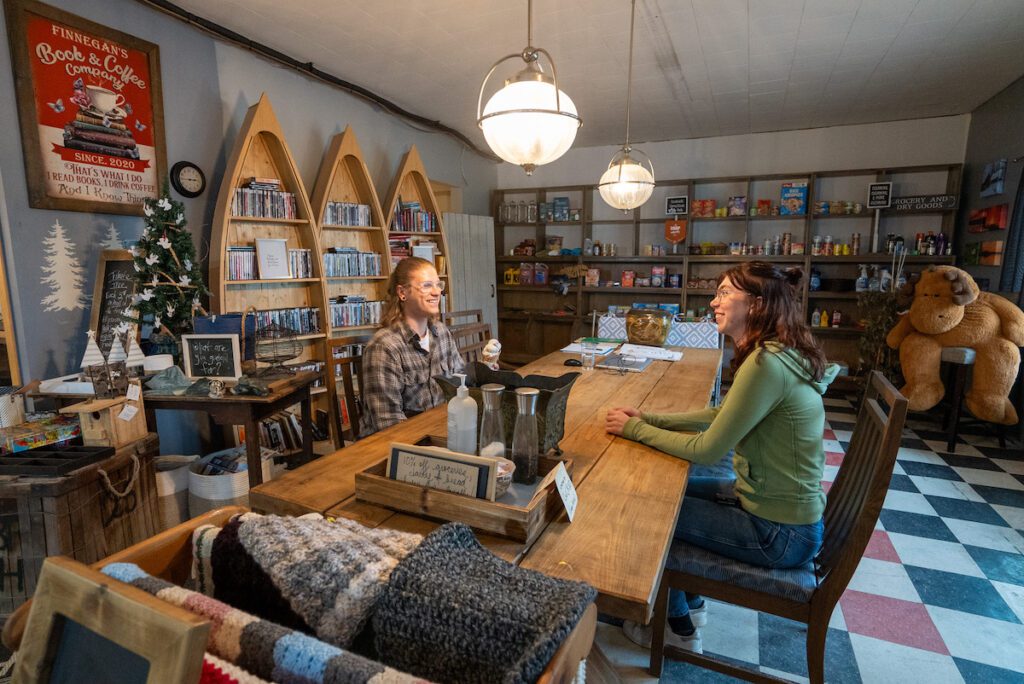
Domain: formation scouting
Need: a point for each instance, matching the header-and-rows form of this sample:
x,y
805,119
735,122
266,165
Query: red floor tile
x,y
881,548
834,458
825,486
892,620
829,434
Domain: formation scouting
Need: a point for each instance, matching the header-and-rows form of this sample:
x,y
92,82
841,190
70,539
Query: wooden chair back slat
x,y
455,318
470,339
347,370
858,493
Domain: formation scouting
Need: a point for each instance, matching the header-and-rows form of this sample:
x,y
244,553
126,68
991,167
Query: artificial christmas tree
x,y
170,285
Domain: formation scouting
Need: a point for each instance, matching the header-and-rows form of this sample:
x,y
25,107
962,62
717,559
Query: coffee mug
x,y
103,99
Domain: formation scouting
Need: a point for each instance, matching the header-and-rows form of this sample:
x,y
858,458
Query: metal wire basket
x,y
276,344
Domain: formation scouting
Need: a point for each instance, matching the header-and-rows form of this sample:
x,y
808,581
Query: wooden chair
x,y
454,319
807,594
348,371
470,332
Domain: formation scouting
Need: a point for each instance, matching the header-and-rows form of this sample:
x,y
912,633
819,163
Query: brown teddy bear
x,y
946,309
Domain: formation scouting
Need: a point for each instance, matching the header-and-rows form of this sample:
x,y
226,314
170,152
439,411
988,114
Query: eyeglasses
x,y
428,285
723,292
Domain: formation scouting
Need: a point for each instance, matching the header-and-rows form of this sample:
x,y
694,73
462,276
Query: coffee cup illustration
x,y
104,99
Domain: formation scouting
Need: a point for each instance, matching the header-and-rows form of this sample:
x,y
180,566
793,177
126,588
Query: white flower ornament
x,y
164,242
147,210
152,259
146,295
164,204
185,280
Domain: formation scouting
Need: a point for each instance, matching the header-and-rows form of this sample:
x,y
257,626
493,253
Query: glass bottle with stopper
x,y
492,427
524,437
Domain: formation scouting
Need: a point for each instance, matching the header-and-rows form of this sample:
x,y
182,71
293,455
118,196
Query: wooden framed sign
x,y
87,627
272,257
90,108
211,356
438,468
112,293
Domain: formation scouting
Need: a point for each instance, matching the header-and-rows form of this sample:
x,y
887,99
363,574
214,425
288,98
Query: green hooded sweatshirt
x,y
773,418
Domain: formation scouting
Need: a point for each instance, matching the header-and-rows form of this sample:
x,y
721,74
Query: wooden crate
x,y
515,522
74,515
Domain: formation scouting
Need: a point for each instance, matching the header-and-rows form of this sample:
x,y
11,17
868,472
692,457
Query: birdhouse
x,y
110,422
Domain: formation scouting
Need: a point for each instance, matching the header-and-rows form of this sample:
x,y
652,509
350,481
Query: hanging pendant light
x,y
529,121
628,183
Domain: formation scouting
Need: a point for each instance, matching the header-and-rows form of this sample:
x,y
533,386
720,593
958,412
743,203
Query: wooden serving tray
x,y
53,461
521,523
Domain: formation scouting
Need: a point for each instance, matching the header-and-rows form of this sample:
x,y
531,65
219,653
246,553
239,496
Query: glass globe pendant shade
x,y
523,125
627,183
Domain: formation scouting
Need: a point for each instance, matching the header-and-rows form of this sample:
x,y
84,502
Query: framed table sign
x,y
211,356
438,468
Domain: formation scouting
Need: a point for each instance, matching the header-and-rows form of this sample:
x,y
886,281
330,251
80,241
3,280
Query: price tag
x,y
134,392
128,412
566,490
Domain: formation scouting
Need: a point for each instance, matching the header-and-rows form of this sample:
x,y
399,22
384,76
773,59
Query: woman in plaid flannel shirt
x,y
412,347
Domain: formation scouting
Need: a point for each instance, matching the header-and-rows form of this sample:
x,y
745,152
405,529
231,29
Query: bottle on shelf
x,y
524,436
862,281
885,281
492,427
816,318
815,281
462,420
836,316
531,212
824,318
874,284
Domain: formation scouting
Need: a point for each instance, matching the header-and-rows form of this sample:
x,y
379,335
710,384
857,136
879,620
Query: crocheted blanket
x,y
260,647
454,612
306,573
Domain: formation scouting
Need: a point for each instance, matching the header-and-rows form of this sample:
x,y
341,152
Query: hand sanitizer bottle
x,y
816,318
462,420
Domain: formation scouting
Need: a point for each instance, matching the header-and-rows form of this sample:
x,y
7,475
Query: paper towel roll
x,y
157,362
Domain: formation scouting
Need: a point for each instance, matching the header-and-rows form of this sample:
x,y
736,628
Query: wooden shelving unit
x,y
344,177
10,372
411,184
528,329
260,151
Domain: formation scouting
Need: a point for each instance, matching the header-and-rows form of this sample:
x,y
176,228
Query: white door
x,y
471,264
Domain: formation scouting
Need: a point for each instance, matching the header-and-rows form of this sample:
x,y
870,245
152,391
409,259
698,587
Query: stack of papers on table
x,y
623,362
644,352
602,348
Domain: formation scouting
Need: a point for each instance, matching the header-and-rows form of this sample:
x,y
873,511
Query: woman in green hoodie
x,y
772,420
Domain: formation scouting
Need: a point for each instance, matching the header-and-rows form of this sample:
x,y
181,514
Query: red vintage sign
x,y
675,230
93,137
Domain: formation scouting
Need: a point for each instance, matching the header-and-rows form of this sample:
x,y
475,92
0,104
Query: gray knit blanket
x,y
454,612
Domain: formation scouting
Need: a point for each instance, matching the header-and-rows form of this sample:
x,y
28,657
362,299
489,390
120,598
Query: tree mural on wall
x,y
113,239
63,272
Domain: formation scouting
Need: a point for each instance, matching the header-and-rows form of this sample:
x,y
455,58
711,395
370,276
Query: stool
x,y
961,358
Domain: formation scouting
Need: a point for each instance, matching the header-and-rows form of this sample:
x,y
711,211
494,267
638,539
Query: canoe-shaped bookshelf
x,y
408,228
262,197
352,234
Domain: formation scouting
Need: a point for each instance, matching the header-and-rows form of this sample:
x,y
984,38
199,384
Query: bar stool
x,y
961,359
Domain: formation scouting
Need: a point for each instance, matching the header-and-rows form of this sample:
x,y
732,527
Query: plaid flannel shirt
x,y
397,374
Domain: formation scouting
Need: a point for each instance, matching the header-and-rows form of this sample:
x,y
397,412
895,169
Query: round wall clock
x,y
188,179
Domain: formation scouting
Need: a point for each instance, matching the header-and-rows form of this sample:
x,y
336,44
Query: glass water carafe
x,y
492,427
524,438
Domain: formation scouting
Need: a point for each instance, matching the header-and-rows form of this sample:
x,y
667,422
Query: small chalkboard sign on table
x,y
112,294
211,356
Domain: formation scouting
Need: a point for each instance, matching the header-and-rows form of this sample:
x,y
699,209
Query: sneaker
x,y
699,616
643,635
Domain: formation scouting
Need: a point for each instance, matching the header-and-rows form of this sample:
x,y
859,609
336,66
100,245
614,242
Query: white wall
x,y
940,140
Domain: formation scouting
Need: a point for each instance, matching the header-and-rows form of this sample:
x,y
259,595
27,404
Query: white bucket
x,y
172,489
207,492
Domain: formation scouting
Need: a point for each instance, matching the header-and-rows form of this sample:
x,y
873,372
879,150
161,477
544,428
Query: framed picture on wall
x,y
992,178
91,111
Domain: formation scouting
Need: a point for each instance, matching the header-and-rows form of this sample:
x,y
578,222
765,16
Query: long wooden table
x,y
629,494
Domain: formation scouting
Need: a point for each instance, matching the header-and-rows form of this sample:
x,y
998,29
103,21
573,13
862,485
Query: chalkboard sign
x,y
111,295
677,205
879,195
211,356
924,203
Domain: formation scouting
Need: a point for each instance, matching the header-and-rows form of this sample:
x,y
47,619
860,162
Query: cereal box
x,y
627,278
793,199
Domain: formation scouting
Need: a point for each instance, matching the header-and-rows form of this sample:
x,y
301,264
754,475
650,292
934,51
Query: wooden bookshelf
x,y
344,177
261,151
412,185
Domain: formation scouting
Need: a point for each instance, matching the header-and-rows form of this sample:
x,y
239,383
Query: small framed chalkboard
x,y
87,627
211,356
111,295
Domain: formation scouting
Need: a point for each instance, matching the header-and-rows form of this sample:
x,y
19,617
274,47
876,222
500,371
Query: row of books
x,y
300,263
281,432
242,263
260,203
347,214
348,310
348,261
348,351
303,320
411,218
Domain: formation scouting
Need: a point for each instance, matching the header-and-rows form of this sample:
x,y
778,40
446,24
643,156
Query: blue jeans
x,y
707,520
